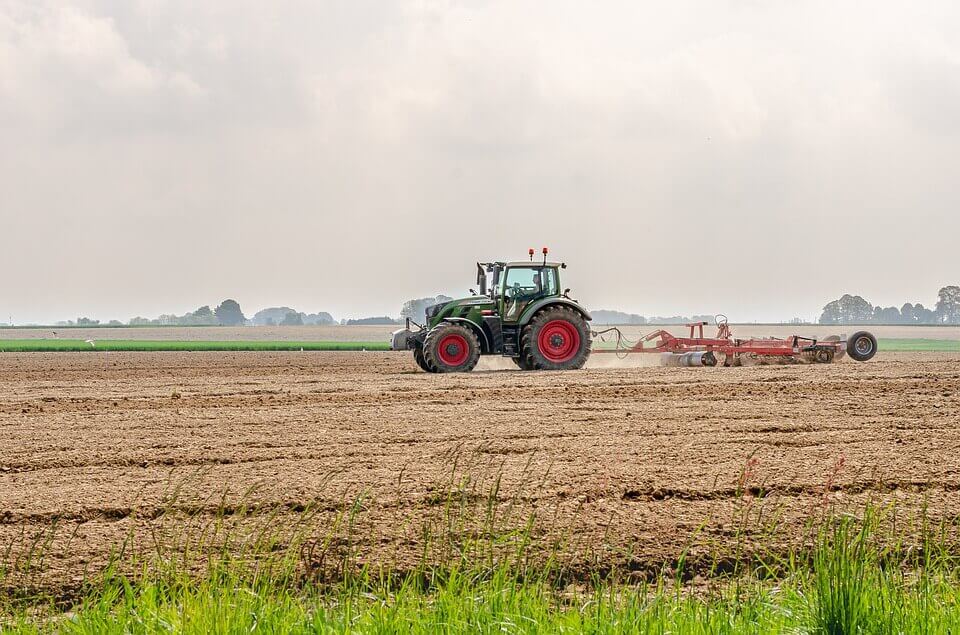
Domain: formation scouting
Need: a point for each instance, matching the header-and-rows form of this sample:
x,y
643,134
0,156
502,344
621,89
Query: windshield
x,y
530,282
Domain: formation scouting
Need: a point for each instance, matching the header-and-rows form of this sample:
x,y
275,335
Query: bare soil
x,y
628,468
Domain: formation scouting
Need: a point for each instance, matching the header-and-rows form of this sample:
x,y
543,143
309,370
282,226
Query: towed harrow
x,y
697,350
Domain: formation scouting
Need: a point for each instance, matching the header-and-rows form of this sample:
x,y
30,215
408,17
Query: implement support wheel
x,y
862,346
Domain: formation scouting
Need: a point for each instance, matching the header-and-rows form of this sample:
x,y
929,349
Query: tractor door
x,y
523,285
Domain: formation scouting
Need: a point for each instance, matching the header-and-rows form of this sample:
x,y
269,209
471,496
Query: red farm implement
x,y
697,350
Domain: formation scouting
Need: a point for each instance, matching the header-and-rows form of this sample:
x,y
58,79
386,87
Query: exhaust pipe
x,y
695,358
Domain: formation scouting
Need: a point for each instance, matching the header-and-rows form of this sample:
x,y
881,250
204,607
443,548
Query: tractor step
x,y
511,341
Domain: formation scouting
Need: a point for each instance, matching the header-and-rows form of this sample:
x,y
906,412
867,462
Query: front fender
x,y
471,325
532,309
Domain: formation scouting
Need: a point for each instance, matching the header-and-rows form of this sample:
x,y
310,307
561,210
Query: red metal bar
x,y
724,343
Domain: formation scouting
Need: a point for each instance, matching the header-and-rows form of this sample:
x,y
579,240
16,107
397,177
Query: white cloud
x,y
65,67
701,144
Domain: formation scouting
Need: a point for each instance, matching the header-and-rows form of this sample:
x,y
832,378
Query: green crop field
x,y
911,345
65,345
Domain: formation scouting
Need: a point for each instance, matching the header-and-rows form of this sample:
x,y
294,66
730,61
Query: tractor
x,y
519,312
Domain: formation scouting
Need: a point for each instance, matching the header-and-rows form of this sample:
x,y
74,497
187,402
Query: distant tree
x,y
292,319
83,321
924,315
229,313
275,315
139,321
889,315
204,315
414,309
948,305
849,309
114,323
372,320
604,316
322,318
269,322
831,313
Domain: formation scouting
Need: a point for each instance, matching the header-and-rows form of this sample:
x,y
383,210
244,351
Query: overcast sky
x,y
751,158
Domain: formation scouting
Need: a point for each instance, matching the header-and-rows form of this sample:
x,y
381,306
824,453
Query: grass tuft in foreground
x,y
854,580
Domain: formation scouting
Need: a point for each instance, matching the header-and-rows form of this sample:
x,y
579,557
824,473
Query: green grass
x,y
68,345
850,583
911,345
486,566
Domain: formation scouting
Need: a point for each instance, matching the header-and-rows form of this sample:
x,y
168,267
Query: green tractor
x,y
521,314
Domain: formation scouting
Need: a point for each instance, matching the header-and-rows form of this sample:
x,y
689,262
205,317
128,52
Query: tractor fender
x,y
534,307
476,329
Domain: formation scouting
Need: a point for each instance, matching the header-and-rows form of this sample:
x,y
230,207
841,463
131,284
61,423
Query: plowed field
x,y
629,466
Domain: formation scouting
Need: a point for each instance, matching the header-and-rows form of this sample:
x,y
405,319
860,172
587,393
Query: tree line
x,y
229,313
848,309
853,309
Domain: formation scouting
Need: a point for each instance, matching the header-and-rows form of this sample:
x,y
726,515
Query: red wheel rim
x,y
559,341
453,349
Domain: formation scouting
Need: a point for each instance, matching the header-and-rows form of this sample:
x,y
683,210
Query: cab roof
x,y
524,263
535,263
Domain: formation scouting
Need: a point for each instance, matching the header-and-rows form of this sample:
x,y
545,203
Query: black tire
x,y
521,363
861,346
421,362
451,348
557,338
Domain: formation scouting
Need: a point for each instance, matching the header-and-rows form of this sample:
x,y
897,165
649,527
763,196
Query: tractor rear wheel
x,y
557,338
451,348
862,346
421,362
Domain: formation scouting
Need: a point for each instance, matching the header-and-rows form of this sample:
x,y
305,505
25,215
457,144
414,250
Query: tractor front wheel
x,y
421,362
451,348
557,338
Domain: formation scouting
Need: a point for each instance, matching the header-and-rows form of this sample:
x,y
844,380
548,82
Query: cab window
x,y
530,282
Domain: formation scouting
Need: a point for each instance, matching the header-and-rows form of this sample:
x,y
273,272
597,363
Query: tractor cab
x,y
519,312
513,286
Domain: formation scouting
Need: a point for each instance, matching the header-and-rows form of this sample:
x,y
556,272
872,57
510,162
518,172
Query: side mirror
x,y
472,292
566,291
